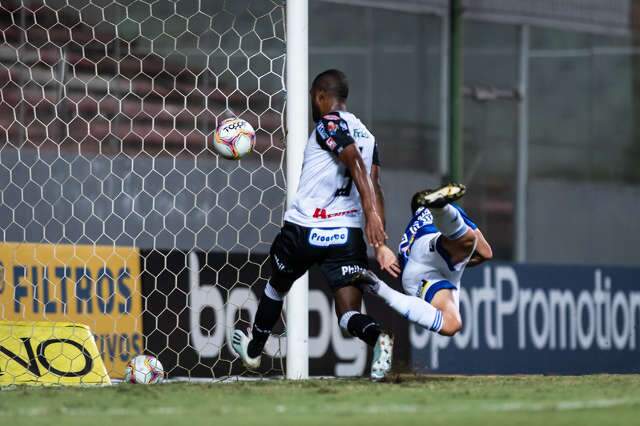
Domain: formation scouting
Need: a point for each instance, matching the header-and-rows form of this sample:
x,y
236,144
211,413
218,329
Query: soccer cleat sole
x,y
442,196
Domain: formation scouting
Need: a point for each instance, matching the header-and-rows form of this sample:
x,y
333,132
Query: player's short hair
x,y
414,203
333,82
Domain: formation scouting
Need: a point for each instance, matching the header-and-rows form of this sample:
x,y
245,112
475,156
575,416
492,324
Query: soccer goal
x,y
114,211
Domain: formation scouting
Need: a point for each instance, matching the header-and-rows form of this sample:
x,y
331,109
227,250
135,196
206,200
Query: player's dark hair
x,y
414,203
333,82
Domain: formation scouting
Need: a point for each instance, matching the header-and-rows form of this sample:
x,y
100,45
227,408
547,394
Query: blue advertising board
x,y
539,319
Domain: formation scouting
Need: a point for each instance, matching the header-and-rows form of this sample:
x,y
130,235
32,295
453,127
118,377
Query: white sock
x,y
273,294
449,222
413,308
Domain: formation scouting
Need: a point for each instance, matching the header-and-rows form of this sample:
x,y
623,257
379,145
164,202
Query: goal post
x,y
297,113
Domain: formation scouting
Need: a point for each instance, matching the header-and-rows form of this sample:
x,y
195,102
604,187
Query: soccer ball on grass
x,y
144,370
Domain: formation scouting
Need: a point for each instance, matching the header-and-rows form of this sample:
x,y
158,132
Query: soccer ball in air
x,y
144,370
234,138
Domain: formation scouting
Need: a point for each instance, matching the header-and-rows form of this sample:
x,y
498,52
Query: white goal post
x,y
297,113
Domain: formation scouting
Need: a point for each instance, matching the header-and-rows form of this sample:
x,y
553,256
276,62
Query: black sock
x,y
266,318
365,328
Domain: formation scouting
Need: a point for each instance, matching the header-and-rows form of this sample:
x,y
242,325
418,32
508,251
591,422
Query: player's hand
x,y
388,260
374,229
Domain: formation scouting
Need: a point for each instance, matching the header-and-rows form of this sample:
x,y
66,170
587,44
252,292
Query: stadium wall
x,y
583,223
149,202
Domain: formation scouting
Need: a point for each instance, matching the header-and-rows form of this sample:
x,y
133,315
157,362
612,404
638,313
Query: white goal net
x,y
114,212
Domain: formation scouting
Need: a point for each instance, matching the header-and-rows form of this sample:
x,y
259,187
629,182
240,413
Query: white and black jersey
x,y
327,196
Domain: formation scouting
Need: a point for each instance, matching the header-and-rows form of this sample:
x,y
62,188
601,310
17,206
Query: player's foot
x,y
438,198
382,357
367,281
240,343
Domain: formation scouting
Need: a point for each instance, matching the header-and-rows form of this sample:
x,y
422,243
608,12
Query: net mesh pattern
x,y
114,211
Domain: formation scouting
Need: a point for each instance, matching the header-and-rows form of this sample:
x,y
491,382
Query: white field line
x,y
560,405
513,406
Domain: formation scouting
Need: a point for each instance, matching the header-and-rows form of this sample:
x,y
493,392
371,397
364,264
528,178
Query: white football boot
x,y
240,343
382,357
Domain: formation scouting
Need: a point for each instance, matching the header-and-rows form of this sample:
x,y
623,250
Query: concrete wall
x,y
583,223
147,202
159,202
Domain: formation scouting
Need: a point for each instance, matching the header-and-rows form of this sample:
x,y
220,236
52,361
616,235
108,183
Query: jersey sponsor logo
x,y
328,237
322,213
360,133
350,269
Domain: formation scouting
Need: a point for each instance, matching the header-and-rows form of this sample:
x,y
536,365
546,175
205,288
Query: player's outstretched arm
x,y
374,228
483,250
377,188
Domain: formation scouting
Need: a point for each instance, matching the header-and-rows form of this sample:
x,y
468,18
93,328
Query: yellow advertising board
x,y
43,352
94,285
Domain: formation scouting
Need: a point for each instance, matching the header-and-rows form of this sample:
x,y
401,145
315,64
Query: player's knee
x,y
452,325
468,243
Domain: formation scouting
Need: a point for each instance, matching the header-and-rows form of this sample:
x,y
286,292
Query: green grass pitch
x,y
406,400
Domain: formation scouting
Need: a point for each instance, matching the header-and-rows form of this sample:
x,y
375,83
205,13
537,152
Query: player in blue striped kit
x,y
439,242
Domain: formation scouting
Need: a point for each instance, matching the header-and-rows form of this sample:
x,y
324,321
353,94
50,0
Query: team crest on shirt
x,y
332,128
331,143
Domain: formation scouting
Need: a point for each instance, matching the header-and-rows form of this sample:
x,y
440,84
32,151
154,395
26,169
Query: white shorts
x,y
429,270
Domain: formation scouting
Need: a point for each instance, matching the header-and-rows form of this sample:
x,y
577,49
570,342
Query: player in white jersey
x,y
324,224
439,242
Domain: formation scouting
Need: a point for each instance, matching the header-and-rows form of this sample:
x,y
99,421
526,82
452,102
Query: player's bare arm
x,y
377,188
374,228
385,256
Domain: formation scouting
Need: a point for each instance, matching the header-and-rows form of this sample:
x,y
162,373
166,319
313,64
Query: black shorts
x,y
340,252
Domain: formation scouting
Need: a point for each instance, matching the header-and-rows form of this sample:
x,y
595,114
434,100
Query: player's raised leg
x,y
457,239
415,309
